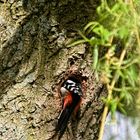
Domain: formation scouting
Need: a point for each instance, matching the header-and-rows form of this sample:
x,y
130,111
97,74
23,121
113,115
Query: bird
x,y
71,90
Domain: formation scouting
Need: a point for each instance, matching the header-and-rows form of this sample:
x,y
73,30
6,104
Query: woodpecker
x,y
71,89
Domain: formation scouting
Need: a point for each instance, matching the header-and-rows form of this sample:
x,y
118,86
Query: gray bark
x,y
35,60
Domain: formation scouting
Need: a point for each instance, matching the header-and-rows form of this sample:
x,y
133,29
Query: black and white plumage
x,y
71,85
71,90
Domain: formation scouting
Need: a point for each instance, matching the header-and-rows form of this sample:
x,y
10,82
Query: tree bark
x,y
35,60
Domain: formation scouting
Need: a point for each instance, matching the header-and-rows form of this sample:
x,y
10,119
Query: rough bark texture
x,y
35,60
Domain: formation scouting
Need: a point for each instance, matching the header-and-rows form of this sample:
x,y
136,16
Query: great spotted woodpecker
x,y
71,89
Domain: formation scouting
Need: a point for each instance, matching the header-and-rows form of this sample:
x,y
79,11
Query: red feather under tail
x,y
65,115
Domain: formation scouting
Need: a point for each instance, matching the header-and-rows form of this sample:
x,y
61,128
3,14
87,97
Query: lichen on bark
x,y
34,59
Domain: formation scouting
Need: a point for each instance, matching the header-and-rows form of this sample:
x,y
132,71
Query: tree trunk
x,y
35,60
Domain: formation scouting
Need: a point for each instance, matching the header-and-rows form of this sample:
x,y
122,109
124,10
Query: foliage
x,y
114,39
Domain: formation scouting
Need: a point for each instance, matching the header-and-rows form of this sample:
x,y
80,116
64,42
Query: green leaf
x,y
113,106
133,72
91,25
77,43
132,75
93,41
106,34
126,96
83,36
123,32
121,108
95,57
115,8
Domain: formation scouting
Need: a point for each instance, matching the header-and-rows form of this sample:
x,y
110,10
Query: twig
x,y
110,89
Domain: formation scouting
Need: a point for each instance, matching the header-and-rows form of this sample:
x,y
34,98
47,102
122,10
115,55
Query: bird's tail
x,y
63,120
